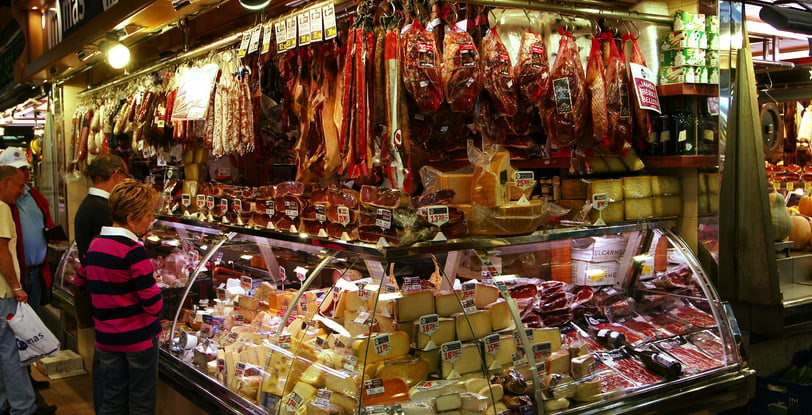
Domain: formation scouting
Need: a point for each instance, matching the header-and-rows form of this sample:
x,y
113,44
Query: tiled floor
x,y
71,395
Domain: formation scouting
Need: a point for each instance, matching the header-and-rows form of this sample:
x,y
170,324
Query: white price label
x,y
492,344
468,305
364,295
223,205
329,14
269,207
301,273
374,387
282,273
323,397
644,81
438,215
350,363
236,205
253,44
343,215
316,29
600,201
525,179
186,199
284,341
382,345
411,284
201,201
321,213
239,371
243,49
362,318
293,401
304,28
246,282
267,30
290,36
384,219
210,202
518,337
468,290
221,366
429,324
291,209
281,36
451,351
541,351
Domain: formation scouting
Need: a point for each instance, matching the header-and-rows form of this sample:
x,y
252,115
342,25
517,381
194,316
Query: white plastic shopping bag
x,y
34,340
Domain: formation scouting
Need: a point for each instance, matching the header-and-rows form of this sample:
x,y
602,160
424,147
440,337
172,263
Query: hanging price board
x,y
186,199
316,29
382,345
451,351
438,215
281,33
253,44
267,30
343,215
429,324
330,28
525,179
304,28
243,49
290,26
492,344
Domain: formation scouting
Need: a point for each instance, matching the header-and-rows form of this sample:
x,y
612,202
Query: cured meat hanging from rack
x,y
565,107
619,132
532,68
397,134
421,68
642,120
461,70
596,87
497,74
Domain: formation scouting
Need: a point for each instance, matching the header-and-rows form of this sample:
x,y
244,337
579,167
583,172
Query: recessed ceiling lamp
x,y
117,54
254,4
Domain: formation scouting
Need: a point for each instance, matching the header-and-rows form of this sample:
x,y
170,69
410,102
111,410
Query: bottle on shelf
x,y
666,133
658,362
653,141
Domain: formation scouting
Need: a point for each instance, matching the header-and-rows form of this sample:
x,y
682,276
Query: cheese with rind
x,y
479,321
468,362
500,315
460,183
666,185
448,402
473,402
366,351
485,294
445,333
504,356
636,187
413,305
574,189
432,358
668,205
489,184
639,208
411,370
447,303
613,213
612,187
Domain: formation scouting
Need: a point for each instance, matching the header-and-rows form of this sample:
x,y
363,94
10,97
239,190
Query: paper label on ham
x,y
321,214
536,57
563,97
343,215
290,36
316,31
201,201
329,13
468,55
504,64
384,219
243,49
186,199
645,83
266,38
253,44
304,28
426,55
438,215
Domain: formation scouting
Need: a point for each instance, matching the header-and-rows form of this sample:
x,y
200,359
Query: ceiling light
x,y
117,54
254,4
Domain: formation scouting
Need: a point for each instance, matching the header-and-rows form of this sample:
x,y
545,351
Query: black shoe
x,y
40,384
45,410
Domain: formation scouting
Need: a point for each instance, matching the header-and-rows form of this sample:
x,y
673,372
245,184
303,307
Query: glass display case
x,y
578,320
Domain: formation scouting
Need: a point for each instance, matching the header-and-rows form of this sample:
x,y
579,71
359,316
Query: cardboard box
x,y
712,24
65,364
690,21
594,273
684,75
685,39
599,248
685,57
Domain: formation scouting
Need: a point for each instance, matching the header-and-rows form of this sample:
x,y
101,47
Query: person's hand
x,y
21,296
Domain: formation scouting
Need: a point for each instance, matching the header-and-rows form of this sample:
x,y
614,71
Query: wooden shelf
x,y
681,161
553,163
668,90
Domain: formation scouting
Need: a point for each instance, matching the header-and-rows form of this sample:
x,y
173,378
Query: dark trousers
x,y
125,383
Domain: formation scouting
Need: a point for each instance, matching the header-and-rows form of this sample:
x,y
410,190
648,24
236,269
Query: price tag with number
x,y
323,397
221,294
210,202
236,205
246,282
343,215
468,305
468,290
284,341
364,295
293,401
437,215
301,273
363,318
525,179
282,273
541,351
291,209
269,207
223,206
383,219
451,351
350,363
374,387
411,284
429,324
492,344
239,371
518,337
221,366
382,345
321,213
600,201
186,199
201,201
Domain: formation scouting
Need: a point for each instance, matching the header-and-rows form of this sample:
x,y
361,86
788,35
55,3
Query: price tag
x,y
362,318
451,351
541,351
492,344
223,205
487,278
527,409
232,337
293,401
343,215
525,179
329,13
284,341
384,219
253,44
243,49
236,205
321,213
290,36
301,273
266,38
468,290
304,28
282,275
167,200
246,282
350,363
323,398
291,209
221,294
239,371
468,306
518,337
186,199
644,81
221,366
316,29
269,207
281,35
374,387
429,324
210,202
303,307
438,215
382,345
411,284
201,201
364,295
541,367
713,105
600,201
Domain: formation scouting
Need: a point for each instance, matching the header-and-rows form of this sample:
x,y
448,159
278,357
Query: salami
x,y
642,120
709,344
532,68
694,360
596,87
565,107
461,70
669,324
693,316
611,380
497,74
421,68
619,131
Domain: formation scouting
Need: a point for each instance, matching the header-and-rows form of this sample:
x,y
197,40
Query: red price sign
x,y
186,199
344,215
382,345
223,205
236,205
246,282
600,201
429,324
525,179
451,351
364,294
438,215
492,344
210,202
293,400
468,290
201,201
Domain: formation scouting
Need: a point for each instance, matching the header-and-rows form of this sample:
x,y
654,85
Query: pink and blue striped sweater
x,y
126,301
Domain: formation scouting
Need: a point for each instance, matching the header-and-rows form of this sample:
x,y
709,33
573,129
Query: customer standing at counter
x,y
126,305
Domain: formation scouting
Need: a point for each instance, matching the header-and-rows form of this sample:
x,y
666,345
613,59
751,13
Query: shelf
x,y
552,163
681,161
668,90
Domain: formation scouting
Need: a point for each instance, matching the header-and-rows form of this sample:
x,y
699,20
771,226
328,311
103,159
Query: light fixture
x,y
789,19
254,4
117,54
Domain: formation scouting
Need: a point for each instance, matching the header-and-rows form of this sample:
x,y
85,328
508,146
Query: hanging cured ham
x,y
596,88
619,132
642,120
532,68
461,70
421,68
497,74
565,105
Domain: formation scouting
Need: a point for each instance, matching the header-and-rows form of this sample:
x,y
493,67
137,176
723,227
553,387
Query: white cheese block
x,y
581,366
612,187
500,315
417,408
504,356
445,333
639,208
550,335
468,362
411,370
446,303
433,359
496,390
479,321
636,187
448,402
430,389
473,402
460,183
484,295
413,305
668,205
367,353
343,382
665,185
475,384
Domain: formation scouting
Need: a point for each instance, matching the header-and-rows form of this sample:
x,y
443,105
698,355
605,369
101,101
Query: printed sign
x,y
645,84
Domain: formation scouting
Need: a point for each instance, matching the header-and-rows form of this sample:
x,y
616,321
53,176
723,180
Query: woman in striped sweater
x,y
126,305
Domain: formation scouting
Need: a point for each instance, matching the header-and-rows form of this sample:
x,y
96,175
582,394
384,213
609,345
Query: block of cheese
x,y
473,402
703,203
447,303
318,409
475,384
550,335
703,183
468,362
615,164
574,189
355,302
612,187
246,302
588,390
556,404
489,184
343,382
448,402
598,164
357,328
497,409
496,390
558,362
446,332
386,304
314,375
386,324
532,208
668,205
300,394
460,183
500,315
503,357
367,351
713,183
638,208
283,371
613,213
417,408
430,389
581,366
484,295
432,357
713,202
479,321
578,349
395,392
666,185
413,305
347,404
636,187
411,370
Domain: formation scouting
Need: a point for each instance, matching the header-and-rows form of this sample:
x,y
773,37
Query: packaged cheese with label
x,y
489,184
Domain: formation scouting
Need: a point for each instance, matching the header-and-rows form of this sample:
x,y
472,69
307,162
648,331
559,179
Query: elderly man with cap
x,y
32,218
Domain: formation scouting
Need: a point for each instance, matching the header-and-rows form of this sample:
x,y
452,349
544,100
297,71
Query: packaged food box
x,y
599,248
65,364
713,75
712,58
684,75
685,39
690,21
684,57
594,273
712,24
713,41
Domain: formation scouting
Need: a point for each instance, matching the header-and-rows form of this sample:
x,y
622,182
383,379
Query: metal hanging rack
x,y
574,10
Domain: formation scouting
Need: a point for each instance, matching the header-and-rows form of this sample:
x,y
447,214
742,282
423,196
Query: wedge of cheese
x,y
473,402
470,326
636,187
413,305
588,390
484,295
411,370
558,362
447,303
503,357
638,208
496,390
448,402
343,382
468,362
460,183
367,351
500,315
446,332
489,185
